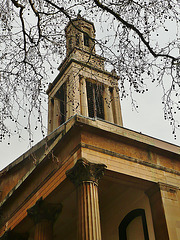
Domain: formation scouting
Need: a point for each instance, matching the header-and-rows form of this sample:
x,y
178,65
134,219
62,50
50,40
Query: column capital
x,y
44,211
85,171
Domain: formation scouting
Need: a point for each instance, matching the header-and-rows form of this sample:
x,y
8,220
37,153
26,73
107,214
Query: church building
x,y
90,178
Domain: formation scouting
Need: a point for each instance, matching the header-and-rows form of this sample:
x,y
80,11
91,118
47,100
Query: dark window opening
x,y
86,40
128,219
77,39
95,100
62,100
52,101
111,90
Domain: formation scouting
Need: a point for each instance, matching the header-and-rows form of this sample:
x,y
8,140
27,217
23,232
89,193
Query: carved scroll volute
x,y
85,171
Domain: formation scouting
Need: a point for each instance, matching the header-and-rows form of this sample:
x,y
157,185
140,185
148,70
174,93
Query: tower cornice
x,y
71,59
79,18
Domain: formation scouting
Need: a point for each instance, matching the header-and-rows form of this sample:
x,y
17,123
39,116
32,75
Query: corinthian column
x,y
43,215
85,176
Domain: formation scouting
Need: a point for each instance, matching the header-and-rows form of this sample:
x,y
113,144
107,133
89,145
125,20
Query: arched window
x,y
134,226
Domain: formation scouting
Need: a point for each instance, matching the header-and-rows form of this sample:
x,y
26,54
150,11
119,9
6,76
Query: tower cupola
x,y
80,33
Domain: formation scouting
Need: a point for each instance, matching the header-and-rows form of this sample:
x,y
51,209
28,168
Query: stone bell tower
x,y
83,86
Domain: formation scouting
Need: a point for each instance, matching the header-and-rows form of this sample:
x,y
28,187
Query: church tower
x,y
83,86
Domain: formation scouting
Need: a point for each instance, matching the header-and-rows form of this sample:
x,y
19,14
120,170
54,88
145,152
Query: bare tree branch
x,y
132,27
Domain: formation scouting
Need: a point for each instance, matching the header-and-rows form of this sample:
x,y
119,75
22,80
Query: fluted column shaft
x,y
85,176
88,212
44,214
43,230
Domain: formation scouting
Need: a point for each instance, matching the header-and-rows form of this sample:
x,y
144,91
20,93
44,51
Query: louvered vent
x,y
95,100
